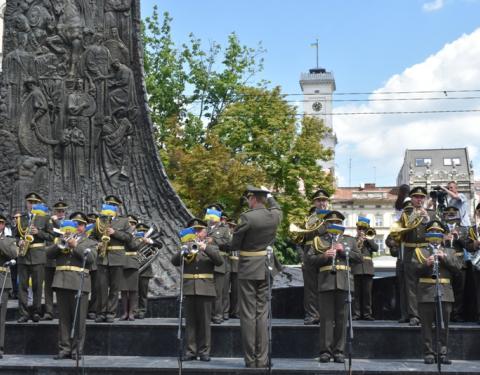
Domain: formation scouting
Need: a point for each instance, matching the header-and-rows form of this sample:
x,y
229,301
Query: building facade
x,y
317,87
371,201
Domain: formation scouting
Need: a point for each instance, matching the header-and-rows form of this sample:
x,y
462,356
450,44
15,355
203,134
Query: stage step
x,y
291,339
93,365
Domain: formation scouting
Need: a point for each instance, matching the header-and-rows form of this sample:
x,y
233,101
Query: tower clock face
x,y
317,106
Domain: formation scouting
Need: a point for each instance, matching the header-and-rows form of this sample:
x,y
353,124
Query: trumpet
x,y
27,236
334,239
63,242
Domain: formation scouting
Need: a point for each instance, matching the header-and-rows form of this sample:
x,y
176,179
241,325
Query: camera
x,y
440,196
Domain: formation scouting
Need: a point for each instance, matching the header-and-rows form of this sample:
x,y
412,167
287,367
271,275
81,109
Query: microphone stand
x,y
439,324
6,274
269,307
350,318
180,317
73,333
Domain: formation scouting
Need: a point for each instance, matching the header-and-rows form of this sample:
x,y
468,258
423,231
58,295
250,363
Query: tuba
x,y
312,223
149,251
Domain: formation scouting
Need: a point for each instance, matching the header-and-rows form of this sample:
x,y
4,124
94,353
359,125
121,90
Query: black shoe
x,y
205,358
36,318
99,319
429,360
444,360
355,317
188,357
22,319
61,355
308,321
369,318
324,358
236,316
140,315
339,358
217,321
91,316
403,320
109,319
47,316
414,322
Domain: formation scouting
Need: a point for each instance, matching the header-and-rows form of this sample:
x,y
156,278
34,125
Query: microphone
x,y
10,263
87,251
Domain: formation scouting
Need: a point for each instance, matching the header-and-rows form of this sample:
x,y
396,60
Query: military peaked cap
x,y
132,219
112,199
251,190
79,216
334,216
60,206
34,197
418,190
196,223
142,227
435,225
320,194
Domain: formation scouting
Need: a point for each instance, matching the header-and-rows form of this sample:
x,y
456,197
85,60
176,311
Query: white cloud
x,y
381,140
433,6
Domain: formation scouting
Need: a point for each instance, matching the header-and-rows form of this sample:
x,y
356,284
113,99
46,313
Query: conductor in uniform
x,y
256,230
199,291
330,256
69,258
8,251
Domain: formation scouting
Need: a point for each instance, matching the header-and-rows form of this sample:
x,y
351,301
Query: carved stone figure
x,y
121,89
74,156
117,16
118,49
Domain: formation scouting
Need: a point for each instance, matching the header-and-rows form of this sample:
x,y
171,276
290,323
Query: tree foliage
x,y
218,130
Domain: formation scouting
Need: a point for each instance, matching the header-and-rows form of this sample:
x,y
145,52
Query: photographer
x,y
458,200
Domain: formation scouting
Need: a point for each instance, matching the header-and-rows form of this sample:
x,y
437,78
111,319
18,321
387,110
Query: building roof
x,y
367,192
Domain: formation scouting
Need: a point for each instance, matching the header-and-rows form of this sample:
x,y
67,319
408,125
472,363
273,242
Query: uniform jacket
x,y
326,280
414,236
36,255
255,231
449,265
368,247
8,251
203,263
70,279
133,246
121,237
221,238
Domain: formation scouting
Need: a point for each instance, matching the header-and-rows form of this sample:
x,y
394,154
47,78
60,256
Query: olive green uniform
x,y
110,268
49,274
220,236
363,278
310,274
234,284
255,231
470,246
199,292
8,251
143,282
33,264
426,293
333,290
66,283
459,277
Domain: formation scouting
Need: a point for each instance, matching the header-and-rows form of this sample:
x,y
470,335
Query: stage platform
x,y
156,337
96,365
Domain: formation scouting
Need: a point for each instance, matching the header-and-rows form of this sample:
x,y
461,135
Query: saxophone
x,y
26,235
102,228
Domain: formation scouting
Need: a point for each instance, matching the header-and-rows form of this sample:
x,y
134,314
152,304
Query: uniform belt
x,y
428,280
114,248
309,243
329,268
35,245
459,255
71,268
367,258
259,253
4,269
414,244
131,253
233,257
198,276
223,253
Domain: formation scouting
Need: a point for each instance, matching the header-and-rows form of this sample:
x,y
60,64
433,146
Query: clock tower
x,y
318,86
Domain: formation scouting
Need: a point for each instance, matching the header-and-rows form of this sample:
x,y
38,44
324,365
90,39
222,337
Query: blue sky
x,y
369,45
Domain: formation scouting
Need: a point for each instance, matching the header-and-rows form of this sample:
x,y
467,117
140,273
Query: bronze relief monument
x,y
74,123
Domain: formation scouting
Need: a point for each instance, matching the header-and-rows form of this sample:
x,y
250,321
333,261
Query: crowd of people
x,y
227,268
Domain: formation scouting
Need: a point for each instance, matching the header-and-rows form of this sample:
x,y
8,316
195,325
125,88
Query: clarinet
x,y
436,264
333,271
